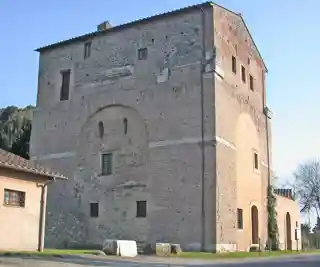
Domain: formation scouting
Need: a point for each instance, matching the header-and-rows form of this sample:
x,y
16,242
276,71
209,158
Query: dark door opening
x,y
288,231
255,224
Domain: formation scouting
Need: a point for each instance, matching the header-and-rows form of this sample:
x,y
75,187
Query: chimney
x,y
104,26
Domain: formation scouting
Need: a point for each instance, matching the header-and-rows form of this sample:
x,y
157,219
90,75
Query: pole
x,y
259,246
43,214
266,115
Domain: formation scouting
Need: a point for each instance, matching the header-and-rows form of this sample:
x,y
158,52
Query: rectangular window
x,y
143,53
256,161
94,210
141,209
240,218
243,74
87,50
234,65
14,198
251,81
64,93
106,164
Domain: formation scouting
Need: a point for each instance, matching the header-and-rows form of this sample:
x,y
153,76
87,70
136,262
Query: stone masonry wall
x,y
158,160
240,124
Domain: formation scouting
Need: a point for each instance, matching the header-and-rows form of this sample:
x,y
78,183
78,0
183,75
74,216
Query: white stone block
x,y
127,248
123,248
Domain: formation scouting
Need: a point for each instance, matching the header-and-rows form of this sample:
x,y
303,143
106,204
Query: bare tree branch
x,y
307,186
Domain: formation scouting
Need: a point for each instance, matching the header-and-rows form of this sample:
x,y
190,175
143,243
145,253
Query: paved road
x,y
296,261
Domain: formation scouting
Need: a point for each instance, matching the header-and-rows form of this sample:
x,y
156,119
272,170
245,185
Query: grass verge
x,y
239,255
49,252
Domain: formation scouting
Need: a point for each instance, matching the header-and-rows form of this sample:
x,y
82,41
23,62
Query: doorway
x,y
255,225
288,231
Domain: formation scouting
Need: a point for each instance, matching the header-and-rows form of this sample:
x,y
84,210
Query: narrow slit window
x,y
65,85
256,161
125,126
87,50
243,74
234,65
240,218
101,129
251,81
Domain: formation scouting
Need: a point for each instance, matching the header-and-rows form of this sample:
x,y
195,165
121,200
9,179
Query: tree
x,y
21,145
15,129
305,229
307,186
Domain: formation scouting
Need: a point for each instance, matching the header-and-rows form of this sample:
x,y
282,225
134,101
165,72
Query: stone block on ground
x,y
163,249
123,248
149,249
176,249
110,247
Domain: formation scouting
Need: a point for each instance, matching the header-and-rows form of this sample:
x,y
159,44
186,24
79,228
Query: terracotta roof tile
x,y
12,161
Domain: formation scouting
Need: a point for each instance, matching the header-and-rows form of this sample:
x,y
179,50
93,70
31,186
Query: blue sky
x,y
287,35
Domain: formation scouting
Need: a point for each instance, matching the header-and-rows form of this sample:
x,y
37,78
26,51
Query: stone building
x,y
162,126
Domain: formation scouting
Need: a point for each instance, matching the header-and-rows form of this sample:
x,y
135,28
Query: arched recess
x,y
254,224
100,109
249,182
103,131
288,232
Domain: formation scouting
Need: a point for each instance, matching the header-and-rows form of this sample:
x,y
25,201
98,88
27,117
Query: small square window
x,y
251,82
142,53
243,74
256,161
87,50
14,198
106,164
94,210
141,209
234,65
240,218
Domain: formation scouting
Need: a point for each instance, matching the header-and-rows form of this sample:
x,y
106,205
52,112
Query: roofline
x,y
49,176
264,64
245,24
126,25
145,20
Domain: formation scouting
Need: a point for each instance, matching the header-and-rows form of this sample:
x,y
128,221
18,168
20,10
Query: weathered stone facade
x,y
191,126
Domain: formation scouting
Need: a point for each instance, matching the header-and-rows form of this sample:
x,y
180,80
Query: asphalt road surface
x,y
293,261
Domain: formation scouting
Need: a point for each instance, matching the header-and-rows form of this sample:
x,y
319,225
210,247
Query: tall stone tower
x,y
159,126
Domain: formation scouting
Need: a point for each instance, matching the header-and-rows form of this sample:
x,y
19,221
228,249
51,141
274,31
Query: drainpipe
x,y
43,214
267,114
203,158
